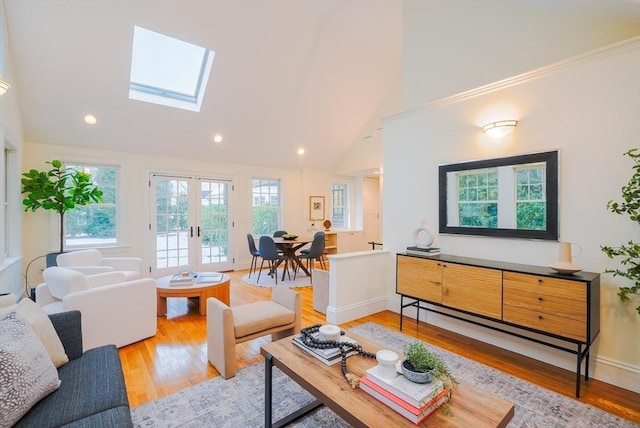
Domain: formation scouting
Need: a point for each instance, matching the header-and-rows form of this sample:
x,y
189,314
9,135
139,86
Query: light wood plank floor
x,y
177,356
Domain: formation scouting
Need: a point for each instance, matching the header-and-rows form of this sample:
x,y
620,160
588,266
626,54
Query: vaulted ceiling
x,y
286,75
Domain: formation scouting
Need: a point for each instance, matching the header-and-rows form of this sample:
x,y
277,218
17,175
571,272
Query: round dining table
x,y
290,247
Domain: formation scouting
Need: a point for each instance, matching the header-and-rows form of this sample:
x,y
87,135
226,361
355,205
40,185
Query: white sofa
x,y
114,311
91,262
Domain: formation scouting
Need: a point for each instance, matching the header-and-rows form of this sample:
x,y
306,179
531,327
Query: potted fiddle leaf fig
x,y
60,189
628,253
422,365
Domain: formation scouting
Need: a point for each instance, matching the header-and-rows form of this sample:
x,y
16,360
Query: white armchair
x,y
114,311
90,262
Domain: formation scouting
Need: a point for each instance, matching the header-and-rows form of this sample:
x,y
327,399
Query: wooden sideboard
x,y
531,298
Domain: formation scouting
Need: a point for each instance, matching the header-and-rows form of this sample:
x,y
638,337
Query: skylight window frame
x,y
170,98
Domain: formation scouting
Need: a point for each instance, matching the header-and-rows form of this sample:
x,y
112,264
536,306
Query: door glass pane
x,y
172,223
214,222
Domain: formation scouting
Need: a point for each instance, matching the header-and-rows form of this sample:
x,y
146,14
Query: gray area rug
x,y
239,401
302,280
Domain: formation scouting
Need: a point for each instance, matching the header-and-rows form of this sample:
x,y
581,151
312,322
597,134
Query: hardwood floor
x,y
177,356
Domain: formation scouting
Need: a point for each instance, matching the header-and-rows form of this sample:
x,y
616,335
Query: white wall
x,y
452,46
11,136
40,233
588,110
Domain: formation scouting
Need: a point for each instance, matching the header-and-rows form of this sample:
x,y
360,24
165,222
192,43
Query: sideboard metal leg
x,y
401,309
579,359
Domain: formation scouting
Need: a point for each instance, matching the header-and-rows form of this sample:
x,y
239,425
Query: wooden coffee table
x,y
219,290
470,406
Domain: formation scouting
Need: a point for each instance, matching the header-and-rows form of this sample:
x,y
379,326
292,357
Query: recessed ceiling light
x,y
90,119
300,151
217,138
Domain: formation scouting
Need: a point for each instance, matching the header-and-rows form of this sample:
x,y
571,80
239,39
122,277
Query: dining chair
x,y
316,251
321,259
278,234
254,254
268,251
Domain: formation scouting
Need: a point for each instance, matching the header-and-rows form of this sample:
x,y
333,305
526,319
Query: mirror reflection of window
x,y
510,197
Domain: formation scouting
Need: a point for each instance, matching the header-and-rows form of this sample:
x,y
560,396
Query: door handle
x,y
191,232
198,231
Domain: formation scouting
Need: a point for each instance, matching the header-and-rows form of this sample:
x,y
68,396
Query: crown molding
x,y
593,55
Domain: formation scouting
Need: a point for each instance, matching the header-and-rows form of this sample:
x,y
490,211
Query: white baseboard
x,y
339,315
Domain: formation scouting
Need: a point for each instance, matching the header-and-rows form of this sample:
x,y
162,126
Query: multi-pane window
x,y
531,205
340,206
94,224
478,198
266,205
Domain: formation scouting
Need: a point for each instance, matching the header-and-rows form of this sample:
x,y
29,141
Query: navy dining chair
x,y
316,251
254,253
268,251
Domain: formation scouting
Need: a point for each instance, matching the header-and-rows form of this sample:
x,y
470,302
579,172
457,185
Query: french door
x,y
190,224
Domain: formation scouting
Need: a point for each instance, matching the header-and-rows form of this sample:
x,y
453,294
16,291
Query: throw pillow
x,y
43,327
27,374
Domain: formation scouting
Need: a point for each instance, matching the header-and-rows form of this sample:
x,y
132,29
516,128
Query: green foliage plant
x,y
628,253
423,360
59,189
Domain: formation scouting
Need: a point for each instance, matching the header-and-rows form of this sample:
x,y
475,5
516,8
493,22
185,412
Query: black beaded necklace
x,y
345,349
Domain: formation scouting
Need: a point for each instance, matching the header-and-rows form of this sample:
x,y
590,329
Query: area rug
x,y
239,401
301,280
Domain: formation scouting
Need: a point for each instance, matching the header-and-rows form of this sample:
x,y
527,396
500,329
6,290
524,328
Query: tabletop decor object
x,y
346,349
327,224
421,365
423,235
565,263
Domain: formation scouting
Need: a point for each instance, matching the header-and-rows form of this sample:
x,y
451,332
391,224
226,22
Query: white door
x,y
190,224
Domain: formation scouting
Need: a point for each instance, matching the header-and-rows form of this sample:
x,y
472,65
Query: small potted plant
x,y
421,365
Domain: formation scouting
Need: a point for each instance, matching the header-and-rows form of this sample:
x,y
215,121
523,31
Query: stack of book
x,y
328,356
419,251
208,277
181,279
414,401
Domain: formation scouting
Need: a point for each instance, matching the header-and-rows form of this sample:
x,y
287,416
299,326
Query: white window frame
x,y
347,203
268,195
119,217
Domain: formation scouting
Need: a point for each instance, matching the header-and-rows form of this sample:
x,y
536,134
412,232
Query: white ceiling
x,y
287,74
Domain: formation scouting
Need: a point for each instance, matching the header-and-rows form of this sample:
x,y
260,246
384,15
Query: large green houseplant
x,y
59,189
629,253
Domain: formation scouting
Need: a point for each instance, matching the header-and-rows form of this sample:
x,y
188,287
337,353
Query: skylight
x,y
168,71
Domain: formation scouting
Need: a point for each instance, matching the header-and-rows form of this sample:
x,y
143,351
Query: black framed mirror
x,y
510,197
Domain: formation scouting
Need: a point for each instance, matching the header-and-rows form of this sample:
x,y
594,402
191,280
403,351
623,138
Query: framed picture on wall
x,y
316,208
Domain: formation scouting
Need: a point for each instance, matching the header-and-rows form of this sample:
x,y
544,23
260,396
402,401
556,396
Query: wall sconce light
x,y
500,128
4,87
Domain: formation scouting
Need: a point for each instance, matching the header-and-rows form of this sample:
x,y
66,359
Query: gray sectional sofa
x,y
92,392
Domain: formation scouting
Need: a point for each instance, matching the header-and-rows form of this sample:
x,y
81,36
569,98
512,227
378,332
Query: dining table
x,y
289,249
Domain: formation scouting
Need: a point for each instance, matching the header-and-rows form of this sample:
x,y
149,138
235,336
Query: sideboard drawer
x,y
562,288
553,324
536,299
